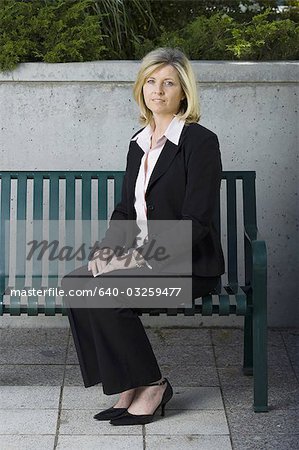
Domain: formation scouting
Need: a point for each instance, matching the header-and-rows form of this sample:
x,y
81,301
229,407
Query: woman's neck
x,y
161,125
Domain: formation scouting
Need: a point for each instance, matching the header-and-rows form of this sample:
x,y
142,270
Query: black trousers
x,y
111,343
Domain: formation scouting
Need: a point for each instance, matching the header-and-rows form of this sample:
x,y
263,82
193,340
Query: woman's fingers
x,y
93,268
105,261
101,264
100,261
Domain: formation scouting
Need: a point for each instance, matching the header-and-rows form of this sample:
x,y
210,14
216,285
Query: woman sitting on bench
x,y
173,173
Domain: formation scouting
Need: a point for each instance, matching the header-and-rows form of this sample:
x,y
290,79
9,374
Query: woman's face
x,y
162,91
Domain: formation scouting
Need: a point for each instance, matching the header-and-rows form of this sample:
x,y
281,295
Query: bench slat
x,y
53,226
4,234
70,214
232,267
38,194
21,230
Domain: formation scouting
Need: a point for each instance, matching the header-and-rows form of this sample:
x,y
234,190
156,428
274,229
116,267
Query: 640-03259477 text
x,y
100,291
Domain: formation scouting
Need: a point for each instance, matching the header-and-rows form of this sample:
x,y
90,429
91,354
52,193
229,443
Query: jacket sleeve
x,y
204,169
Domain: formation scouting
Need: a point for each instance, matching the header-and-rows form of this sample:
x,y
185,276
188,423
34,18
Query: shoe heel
x,y
163,410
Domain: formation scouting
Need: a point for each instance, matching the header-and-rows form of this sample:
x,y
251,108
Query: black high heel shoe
x,y
135,419
110,413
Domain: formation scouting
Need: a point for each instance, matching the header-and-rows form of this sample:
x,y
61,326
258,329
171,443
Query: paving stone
x,y
228,355
190,441
77,442
238,397
278,398
229,336
233,355
180,336
266,441
81,421
293,353
296,369
185,354
244,421
72,357
274,337
31,374
24,442
233,376
234,336
284,397
190,375
193,398
280,378
79,397
189,422
73,375
29,397
33,346
28,421
291,337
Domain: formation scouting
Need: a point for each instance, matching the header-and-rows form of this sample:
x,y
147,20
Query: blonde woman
x,y
173,172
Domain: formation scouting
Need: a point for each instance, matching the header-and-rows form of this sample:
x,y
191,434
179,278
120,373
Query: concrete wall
x,y
80,116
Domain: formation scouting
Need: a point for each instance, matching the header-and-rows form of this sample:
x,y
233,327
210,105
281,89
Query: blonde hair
x,y
189,108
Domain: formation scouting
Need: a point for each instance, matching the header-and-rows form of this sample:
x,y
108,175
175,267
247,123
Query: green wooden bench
x,y
29,195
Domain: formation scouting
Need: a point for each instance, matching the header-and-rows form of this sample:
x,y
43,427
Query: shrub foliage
x,y
87,30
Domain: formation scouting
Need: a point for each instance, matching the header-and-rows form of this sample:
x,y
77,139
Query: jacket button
x,y
150,207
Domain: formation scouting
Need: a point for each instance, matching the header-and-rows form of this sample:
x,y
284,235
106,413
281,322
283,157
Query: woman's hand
x,y
105,261
100,260
120,263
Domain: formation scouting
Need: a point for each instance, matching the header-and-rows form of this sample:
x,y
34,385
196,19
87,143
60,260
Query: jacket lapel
x,y
165,159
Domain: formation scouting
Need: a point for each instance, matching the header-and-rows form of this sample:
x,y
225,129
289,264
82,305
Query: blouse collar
x,y
172,133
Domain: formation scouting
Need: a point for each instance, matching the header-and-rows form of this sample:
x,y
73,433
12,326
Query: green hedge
x,y
220,37
87,30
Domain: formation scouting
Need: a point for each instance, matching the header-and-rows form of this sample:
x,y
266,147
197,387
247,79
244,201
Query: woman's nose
x,y
158,89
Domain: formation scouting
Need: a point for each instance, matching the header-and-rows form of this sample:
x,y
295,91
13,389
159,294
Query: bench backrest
x,y
72,195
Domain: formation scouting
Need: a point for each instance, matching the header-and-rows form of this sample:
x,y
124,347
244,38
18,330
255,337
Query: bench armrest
x,y
255,256
258,247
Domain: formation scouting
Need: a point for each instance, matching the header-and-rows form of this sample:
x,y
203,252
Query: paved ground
x,y
44,404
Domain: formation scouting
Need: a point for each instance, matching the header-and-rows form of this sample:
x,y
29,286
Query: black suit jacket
x,y
184,185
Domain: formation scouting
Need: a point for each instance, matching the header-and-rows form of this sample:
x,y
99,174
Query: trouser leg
x,y
79,319
125,354
85,345
111,343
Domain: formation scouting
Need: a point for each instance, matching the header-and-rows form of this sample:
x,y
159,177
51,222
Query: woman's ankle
x,y
125,399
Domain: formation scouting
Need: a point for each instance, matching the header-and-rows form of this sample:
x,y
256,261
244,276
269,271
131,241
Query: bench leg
x,y
259,328
248,348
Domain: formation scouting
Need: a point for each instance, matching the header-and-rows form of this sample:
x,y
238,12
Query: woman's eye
x,y
167,83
